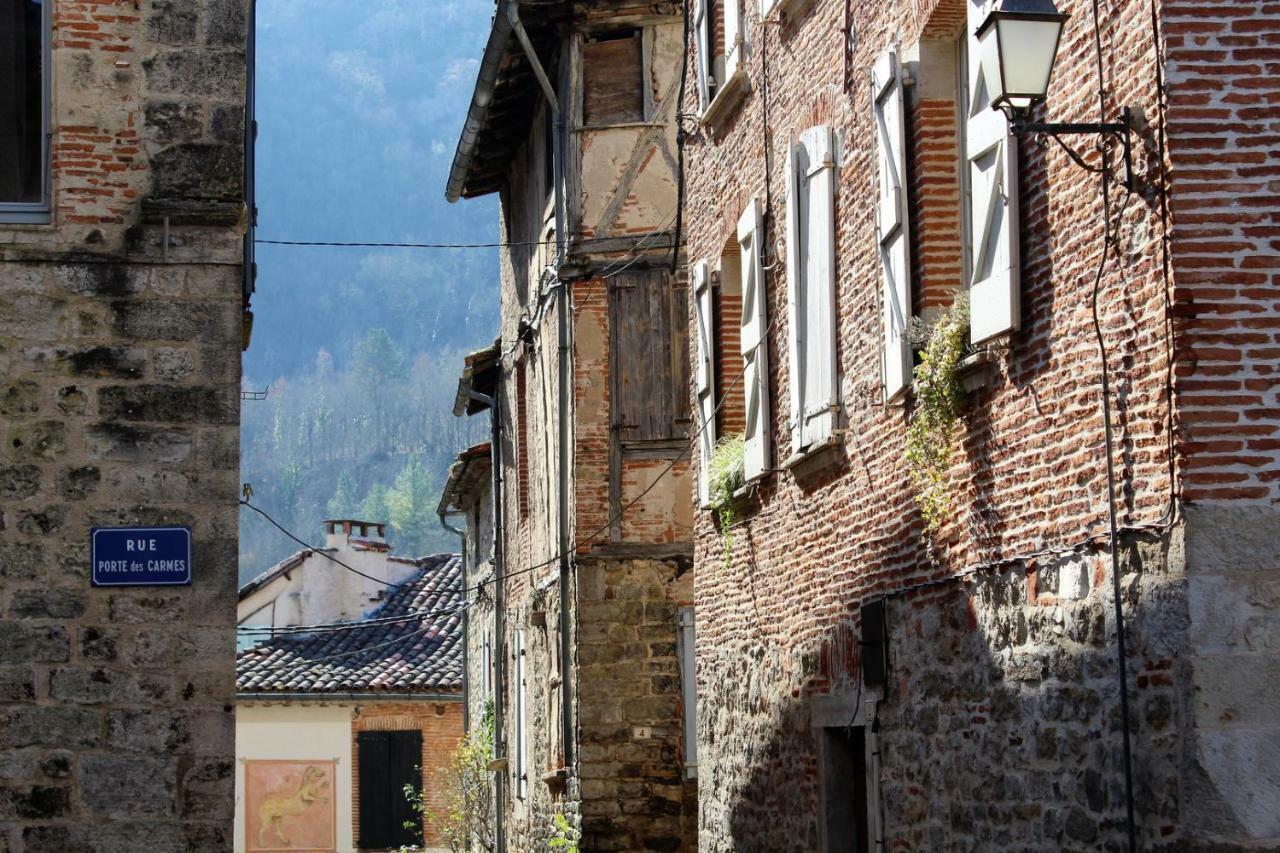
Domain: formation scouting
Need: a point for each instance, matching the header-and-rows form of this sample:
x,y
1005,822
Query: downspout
x,y
562,357
499,618
466,620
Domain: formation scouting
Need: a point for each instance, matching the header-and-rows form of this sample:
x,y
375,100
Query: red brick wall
x,y
1224,99
777,621
441,727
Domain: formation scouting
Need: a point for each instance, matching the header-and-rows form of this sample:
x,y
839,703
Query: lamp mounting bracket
x,y
1123,130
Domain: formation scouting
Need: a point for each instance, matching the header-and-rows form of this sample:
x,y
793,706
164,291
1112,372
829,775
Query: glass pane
x,y
21,101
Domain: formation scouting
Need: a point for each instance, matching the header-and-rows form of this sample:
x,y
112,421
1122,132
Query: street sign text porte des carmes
x,y
140,556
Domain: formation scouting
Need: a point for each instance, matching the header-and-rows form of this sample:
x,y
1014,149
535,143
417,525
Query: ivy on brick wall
x,y
939,402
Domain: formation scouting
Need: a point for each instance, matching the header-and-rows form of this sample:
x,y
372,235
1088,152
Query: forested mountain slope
x,y
359,107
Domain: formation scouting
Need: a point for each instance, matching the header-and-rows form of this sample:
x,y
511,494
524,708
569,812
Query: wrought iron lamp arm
x,y
1123,130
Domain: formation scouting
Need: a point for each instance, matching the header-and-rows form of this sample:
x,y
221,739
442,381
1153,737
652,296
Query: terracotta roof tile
x,y
404,657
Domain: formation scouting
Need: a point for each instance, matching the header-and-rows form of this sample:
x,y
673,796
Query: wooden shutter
x,y
704,376
821,392
892,227
388,762
613,79
755,361
650,396
704,54
521,764
797,231
733,37
688,690
991,175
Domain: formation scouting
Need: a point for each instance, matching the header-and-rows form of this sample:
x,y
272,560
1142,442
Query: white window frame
x,y
686,642
41,212
722,81
811,285
893,230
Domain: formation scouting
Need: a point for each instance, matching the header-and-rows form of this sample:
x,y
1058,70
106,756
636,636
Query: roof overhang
x,y
479,377
505,98
468,474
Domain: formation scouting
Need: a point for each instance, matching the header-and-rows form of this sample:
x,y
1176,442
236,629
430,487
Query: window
x,y
844,788
24,110
651,398
990,177
613,78
387,762
811,283
521,765
719,63
688,690
892,226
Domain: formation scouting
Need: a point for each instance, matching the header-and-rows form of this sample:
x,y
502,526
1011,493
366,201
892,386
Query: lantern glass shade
x,y
1019,43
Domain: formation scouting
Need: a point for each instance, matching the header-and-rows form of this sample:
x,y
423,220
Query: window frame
x,y
41,212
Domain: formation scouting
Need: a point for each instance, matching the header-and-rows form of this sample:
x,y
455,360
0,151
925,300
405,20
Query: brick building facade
x,y
122,215
844,174
576,625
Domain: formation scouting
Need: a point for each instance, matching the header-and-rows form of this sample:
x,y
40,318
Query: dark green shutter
x,y
388,762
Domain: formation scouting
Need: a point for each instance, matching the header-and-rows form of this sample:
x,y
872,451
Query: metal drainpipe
x,y
562,355
466,621
499,600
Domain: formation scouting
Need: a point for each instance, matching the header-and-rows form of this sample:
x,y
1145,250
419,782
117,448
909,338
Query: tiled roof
x,y
419,655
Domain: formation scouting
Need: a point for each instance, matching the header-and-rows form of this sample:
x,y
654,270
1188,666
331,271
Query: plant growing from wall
x,y
466,823
725,475
939,402
564,836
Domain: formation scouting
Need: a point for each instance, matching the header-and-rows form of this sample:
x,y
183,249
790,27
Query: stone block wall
x,y
119,406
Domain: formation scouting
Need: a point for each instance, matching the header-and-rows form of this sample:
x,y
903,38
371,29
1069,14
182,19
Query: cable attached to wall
x,y
1109,442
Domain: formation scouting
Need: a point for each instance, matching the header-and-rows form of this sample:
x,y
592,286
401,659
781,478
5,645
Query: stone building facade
x,y
122,292
844,175
577,628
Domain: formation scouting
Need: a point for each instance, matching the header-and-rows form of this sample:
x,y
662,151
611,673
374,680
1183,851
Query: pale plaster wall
x,y
297,731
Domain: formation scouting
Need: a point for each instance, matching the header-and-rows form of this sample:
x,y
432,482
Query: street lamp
x,y
1018,45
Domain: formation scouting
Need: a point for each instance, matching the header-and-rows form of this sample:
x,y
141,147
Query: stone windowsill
x,y
817,456
978,370
727,98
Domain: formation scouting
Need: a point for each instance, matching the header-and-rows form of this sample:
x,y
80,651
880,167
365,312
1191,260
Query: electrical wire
x,y
1104,379
360,245
350,652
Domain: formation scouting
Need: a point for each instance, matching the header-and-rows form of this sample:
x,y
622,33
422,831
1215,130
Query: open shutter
x,y
733,37
755,363
991,173
688,690
702,35
892,230
821,392
797,232
704,376
522,719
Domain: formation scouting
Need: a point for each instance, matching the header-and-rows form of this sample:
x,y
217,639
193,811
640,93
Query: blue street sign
x,y
140,556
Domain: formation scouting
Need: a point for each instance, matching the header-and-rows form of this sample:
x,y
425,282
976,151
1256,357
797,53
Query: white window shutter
x,y
991,166
797,231
733,37
821,393
892,228
755,360
704,376
702,36
688,689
